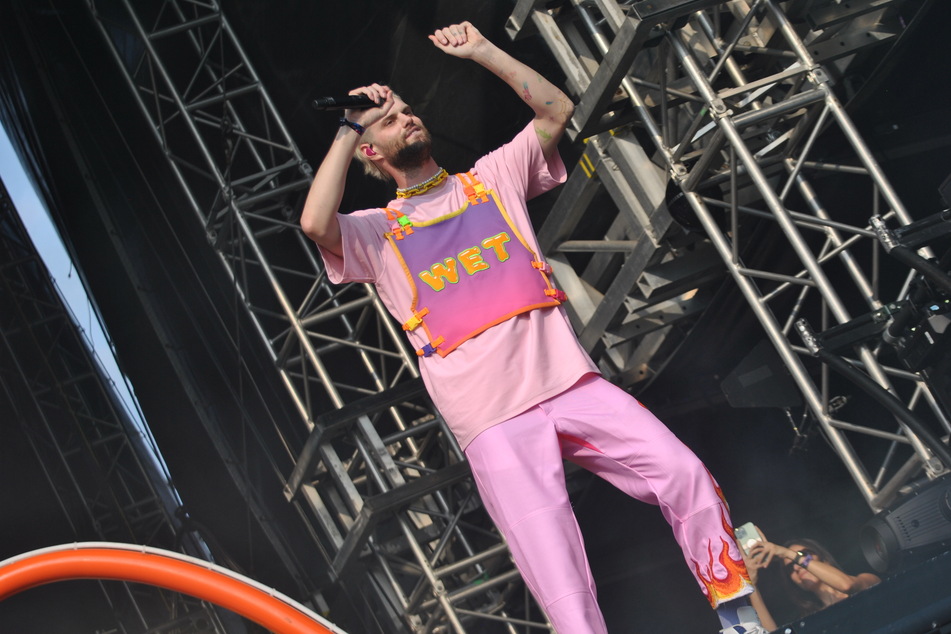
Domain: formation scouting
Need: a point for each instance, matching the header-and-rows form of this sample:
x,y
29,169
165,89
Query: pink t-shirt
x,y
509,367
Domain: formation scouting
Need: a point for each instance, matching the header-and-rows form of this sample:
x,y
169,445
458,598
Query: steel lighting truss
x,y
720,113
91,453
391,503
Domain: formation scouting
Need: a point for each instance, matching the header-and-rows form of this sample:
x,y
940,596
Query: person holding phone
x,y
811,576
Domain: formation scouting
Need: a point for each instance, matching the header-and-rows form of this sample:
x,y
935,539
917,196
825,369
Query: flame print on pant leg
x,y
734,581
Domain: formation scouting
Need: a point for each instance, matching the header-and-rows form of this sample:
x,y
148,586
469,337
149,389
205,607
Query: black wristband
x,y
356,127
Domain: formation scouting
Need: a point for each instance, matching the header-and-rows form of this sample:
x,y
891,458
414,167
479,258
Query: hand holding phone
x,y
747,535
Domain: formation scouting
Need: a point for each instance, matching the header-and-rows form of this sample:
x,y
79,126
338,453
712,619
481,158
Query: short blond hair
x,y
370,168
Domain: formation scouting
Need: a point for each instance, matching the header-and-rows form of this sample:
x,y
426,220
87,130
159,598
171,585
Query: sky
x,y
50,247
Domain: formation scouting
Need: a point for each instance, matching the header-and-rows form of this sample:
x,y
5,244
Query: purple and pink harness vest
x,y
469,270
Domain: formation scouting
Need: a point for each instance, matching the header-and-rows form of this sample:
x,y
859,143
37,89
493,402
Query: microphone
x,y
353,102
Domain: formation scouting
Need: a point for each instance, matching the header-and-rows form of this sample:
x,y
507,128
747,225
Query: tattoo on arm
x,y
526,93
542,134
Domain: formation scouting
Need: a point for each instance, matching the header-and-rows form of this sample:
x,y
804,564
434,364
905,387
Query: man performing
x,y
455,260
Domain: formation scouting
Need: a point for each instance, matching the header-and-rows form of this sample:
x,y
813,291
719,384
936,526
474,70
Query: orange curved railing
x,y
126,562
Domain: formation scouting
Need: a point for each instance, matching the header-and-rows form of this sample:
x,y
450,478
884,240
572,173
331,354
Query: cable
x,y
889,401
929,269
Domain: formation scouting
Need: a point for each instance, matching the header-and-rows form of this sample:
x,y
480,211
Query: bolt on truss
x,y
91,453
387,487
724,115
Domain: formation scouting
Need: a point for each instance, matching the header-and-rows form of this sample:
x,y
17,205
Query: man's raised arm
x,y
319,216
553,108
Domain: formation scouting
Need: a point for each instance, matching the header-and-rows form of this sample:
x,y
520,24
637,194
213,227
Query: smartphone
x,y
746,536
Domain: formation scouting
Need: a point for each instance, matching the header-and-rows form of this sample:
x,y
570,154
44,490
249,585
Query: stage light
x,y
917,526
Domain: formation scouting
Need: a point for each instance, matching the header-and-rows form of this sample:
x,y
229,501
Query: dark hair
x,y
806,601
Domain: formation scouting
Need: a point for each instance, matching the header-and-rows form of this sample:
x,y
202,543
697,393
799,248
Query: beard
x,y
413,155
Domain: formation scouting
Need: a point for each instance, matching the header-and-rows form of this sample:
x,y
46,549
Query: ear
x,y
368,150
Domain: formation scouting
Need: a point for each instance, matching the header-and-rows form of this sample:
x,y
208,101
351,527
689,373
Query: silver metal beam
x,y
100,468
336,348
733,103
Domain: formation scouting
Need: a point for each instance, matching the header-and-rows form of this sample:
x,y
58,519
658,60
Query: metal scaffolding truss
x,y
726,116
380,478
92,456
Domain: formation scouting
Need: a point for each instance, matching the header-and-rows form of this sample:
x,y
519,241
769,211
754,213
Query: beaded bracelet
x,y
356,127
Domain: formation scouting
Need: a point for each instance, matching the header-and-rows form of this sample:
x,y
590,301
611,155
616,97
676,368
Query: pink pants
x,y
518,469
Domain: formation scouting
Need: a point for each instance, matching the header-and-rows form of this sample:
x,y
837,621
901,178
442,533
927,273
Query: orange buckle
x,y
557,294
473,188
544,267
478,195
401,232
413,322
403,225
